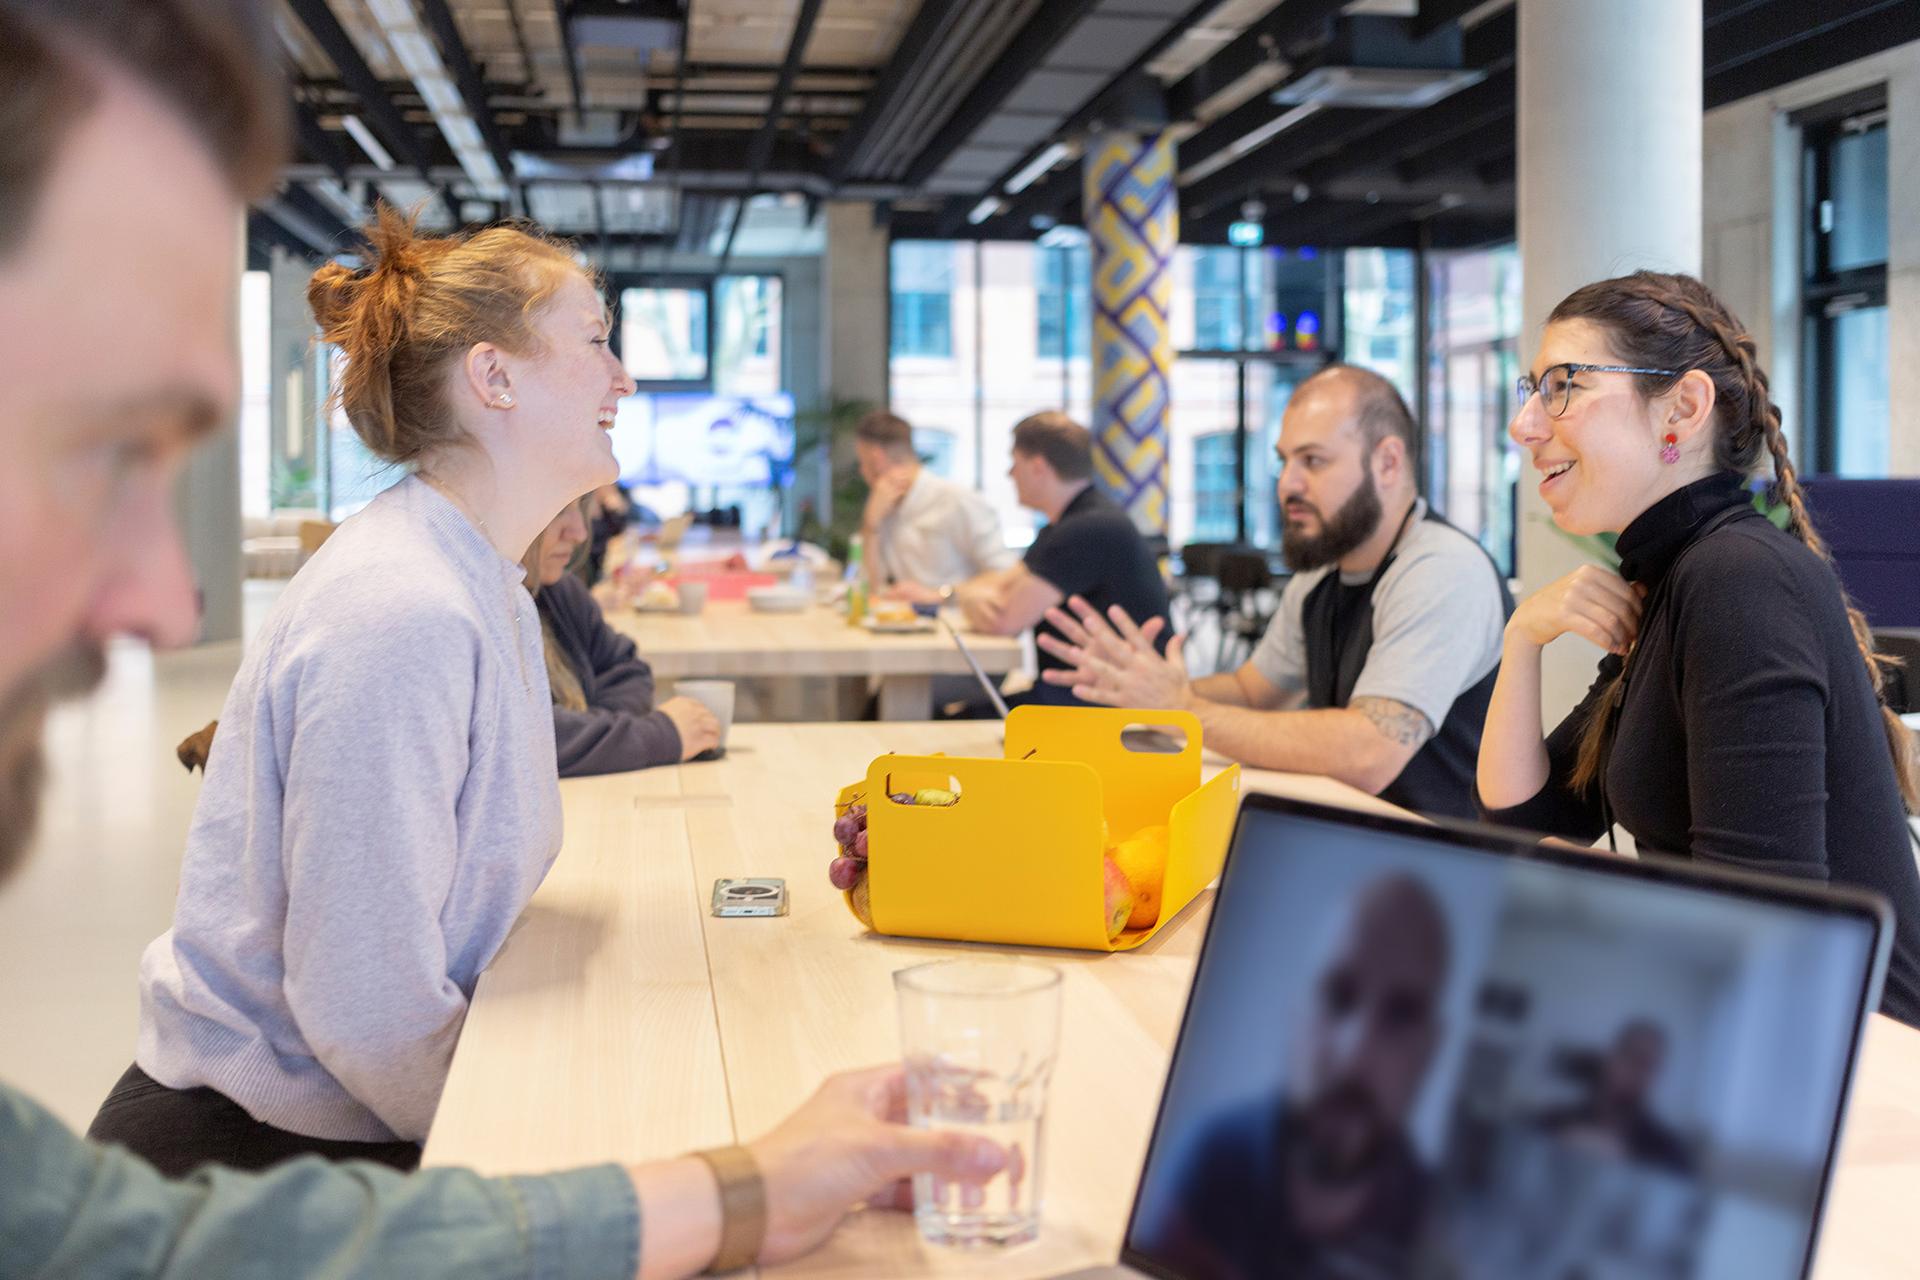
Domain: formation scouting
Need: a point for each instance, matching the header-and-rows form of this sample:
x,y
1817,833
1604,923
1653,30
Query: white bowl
x,y
778,599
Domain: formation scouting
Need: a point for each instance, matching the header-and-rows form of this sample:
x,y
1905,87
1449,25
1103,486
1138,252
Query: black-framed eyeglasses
x,y
1556,383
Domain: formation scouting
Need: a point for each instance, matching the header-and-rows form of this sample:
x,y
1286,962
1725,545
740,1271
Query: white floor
x,y
100,881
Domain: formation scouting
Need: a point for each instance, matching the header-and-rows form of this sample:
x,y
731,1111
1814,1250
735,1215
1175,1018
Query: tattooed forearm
x,y
1396,721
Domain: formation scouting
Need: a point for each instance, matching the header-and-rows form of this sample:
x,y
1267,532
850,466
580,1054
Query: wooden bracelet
x,y
743,1207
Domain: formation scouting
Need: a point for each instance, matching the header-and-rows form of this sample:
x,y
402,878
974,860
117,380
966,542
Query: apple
x,y
1119,899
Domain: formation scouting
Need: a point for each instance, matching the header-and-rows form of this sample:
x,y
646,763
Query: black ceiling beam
x,y
1035,41
1435,14
1461,152
263,229
674,133
1493,42
761,149
1272,37
466,77
924,34
1279,155
1498,170
357,76
1846,31
1203,144
568,54
321,214
1407,133
317,141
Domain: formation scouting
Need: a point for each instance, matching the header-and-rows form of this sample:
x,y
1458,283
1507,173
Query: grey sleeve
x,y
1437,624
69,1207
1281,656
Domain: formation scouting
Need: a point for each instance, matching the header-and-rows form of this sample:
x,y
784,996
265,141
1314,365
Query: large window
x,y
1061,297
1471,471
923,281
1847,411
1219,290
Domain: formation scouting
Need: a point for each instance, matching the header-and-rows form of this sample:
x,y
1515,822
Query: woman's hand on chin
x,y
1591,602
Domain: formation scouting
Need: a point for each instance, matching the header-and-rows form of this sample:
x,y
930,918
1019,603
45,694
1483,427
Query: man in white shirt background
x,y
923,535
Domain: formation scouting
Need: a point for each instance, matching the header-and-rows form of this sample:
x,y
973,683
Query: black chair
x,y
1224,581
1244,577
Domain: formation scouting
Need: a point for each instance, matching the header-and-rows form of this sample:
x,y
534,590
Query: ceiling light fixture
x,y
420,57
985,209
1042,163
356,129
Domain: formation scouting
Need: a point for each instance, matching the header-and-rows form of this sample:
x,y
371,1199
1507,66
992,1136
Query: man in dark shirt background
x,y
1089,547
1321,1179
1617,1117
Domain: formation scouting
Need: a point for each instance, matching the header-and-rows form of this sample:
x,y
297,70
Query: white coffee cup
x,y
693,597
717,697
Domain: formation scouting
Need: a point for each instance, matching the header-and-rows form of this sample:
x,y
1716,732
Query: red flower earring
x,y
1670,451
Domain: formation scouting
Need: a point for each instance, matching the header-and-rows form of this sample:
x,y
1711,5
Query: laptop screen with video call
x,y
1413,1053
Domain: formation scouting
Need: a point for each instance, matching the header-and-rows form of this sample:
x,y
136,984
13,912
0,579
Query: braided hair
x,y
1665,321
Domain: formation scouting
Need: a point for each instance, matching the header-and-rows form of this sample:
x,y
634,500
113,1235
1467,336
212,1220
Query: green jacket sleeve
x,y
69,1207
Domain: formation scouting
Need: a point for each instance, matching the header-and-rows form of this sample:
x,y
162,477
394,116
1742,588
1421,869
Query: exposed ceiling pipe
x,y
421,59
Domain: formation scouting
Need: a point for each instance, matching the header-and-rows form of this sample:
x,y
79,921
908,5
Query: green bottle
x,y
856,584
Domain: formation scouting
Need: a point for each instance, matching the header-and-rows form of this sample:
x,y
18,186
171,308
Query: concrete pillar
x,y
1609,182
1133,222
206,504
854,305
298,454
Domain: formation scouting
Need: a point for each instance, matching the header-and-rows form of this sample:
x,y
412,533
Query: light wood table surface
x,y
728,640
622,1022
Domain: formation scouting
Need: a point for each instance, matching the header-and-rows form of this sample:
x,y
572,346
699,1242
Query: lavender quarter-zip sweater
x,y
380,806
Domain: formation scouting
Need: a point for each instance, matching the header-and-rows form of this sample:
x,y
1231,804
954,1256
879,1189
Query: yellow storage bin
x,y
1019,858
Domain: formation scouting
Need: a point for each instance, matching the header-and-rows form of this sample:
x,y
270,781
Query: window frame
x,y
1826,293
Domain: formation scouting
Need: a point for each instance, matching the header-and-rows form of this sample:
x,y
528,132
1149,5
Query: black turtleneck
x,y
1749,733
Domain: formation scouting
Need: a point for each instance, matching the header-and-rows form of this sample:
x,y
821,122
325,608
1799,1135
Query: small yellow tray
x,y
1018,859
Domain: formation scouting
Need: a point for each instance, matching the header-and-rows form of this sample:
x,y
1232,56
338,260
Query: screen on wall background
x,y
704,440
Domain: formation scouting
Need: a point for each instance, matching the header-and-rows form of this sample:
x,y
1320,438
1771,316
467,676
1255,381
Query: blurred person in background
x,y
923,535
604,717
179,100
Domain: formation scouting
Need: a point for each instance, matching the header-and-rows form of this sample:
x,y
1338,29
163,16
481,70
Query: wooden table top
x,y
621,1021
730,639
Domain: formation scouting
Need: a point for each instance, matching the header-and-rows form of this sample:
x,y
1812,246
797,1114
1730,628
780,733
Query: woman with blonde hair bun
x,y
384,802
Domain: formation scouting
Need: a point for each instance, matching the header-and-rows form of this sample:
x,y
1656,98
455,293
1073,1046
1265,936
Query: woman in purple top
x,y
604,717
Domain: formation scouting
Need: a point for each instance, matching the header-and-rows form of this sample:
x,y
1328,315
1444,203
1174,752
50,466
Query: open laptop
x,y
1135,737
991,689
1442,1051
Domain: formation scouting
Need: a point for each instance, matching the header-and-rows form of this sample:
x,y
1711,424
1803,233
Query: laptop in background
x,y
991,689
1441,1051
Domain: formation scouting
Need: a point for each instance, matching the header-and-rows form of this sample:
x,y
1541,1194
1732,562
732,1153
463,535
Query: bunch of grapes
x,y
850,830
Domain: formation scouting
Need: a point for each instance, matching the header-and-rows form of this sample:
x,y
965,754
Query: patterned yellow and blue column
x,y
1133,221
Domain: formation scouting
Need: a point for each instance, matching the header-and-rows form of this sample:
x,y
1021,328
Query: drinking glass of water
x,y
979,1040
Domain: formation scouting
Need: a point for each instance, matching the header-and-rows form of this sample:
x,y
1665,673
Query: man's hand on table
x,y
911,593
850,1144
1113,662
846,1146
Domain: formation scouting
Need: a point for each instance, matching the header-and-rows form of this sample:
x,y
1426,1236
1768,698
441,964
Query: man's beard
x,y
74,672
1355,522
1341,1136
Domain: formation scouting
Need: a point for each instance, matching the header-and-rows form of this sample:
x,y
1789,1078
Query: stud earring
x,y
505,401
1670,451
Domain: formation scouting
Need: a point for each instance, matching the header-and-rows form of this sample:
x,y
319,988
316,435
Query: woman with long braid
x,y
1737,715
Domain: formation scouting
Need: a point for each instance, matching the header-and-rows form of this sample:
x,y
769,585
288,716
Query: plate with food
x,y
891,617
